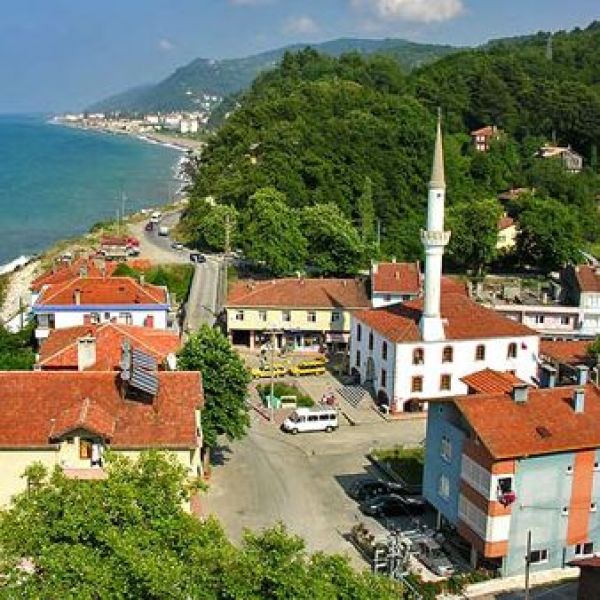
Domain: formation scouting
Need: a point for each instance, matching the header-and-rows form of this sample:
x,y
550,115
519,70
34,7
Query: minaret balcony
x,y
435,238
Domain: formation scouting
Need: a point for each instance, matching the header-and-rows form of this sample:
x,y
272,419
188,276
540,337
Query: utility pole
x,y
378,235
527,566
273,338
227,235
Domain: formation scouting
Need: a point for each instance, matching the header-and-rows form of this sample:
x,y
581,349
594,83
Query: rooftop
x,y
299,293
98,291
566,352
545,424
487,131
489,381
505,222
588,278
59,351
398,278
464,320
36,407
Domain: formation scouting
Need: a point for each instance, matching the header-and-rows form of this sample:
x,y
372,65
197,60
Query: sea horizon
x,y
57,181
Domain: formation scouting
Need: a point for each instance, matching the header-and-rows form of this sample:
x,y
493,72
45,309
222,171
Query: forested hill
x,y
357,129
180,90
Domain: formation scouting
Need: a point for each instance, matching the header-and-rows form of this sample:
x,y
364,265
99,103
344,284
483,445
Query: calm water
x,y
56,182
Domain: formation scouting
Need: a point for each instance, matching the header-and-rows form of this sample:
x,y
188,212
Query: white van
x,y
311,419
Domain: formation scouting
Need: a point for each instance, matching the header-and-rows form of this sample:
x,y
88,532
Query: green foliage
x,y
281,389
127,537
334,245
474,227
16,350
225,380
272,233
408,463
176,278
124,270
549,234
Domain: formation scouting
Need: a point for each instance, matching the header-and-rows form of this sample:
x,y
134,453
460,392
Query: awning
x,y
337,337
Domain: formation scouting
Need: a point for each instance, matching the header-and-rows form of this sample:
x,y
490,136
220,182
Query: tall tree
x,y
366,213
225,380
334,245
271,233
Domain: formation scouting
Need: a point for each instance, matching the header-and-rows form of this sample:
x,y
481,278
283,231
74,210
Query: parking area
x,y
301,481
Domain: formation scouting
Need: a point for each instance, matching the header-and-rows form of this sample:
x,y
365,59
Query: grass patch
x,y
285,389
406,462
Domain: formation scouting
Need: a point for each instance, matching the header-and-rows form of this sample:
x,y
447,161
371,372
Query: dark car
x,y
371,488
149,226
196,257
392,505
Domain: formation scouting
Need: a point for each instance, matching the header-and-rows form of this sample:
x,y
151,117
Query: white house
x,y
94,300
421,349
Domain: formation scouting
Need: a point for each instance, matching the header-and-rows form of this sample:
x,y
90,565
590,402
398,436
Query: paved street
x,y
155,247
270,476
563,591
203,302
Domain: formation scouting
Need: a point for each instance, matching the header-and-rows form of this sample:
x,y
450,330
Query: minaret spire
x,y
434,240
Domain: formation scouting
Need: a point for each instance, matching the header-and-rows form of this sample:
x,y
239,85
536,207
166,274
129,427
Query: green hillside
x,y
181,90
358,130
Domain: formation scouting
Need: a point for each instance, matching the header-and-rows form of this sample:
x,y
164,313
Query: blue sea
x,y
56,181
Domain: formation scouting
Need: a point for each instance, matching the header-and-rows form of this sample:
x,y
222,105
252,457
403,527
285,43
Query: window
x,y
336,317
564,511
416,384
388,298
593,507
311,316
85,449
444,487
262,315
125,317
447,354
358,358
585,549
539,319
596,466
512,351
95,318
446,448
565,320
538,556
445,383
383,378
480,352
384,350
286,316
358,332
239,315
569,469
371,340
418,356
313,418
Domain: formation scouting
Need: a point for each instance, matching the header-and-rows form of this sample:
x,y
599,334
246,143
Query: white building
x,y
95,300
421,349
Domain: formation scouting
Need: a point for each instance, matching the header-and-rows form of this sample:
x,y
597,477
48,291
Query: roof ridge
x,y
67,346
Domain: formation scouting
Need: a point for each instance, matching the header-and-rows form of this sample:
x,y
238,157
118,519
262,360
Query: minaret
x,y
434,240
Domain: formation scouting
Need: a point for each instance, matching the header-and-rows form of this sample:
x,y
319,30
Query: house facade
x,y
95,300
394,282
302,314
499,465
571,160
68,419
482,138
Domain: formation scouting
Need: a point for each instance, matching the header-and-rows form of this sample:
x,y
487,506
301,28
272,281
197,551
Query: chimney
x,y
83,270
582,374
77,296
142,279
548,376
374,267
519,393
579,400
86,353
397,274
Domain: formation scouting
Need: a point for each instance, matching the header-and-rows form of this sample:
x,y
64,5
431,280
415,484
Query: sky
x,y
58,55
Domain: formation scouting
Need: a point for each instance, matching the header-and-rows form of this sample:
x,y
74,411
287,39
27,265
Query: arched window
x,y
448,354
358,332
480,352
371,340
418,356
512,350
384,351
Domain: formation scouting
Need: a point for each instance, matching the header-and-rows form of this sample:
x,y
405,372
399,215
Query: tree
x,y
128,537
334,246
474,227
16,350
366,213
217,227
271,233
549,234
225,380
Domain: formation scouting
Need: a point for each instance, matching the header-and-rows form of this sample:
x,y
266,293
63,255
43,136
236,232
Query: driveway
x,y
270,476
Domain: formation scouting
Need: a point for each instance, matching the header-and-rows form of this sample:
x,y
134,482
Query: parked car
x,y
279,370
392,505
430,553
163,231
177,245
149,226
308,367
371,488
196,257
303,420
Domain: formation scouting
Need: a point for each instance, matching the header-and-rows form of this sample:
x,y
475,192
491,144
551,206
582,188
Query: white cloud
x,y
166,44
302,25
420,11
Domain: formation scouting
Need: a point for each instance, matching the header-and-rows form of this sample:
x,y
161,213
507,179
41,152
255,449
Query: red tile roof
x,y
505,222
452,285
398,278
546,423
487,131
566,351
299,293
489,381
59,351
593,562
464,320
100,291
37,405
587,279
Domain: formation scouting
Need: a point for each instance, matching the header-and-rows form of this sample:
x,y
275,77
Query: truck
x,y
164,231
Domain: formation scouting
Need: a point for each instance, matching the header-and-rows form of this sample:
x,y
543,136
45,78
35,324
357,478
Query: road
x,y
157,248
562,591
203,302
301,481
